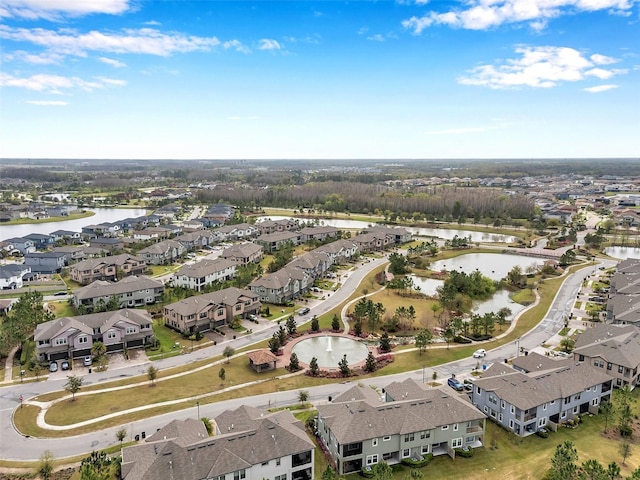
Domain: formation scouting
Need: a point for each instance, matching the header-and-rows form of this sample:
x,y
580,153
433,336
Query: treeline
x,y
443,203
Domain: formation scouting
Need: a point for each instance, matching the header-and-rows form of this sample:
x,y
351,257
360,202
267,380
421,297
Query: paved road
x,y
14,446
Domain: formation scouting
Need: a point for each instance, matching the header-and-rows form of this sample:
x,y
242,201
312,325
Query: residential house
x,y
359,429
240,231
22,245
319,233
373,242
66,236
61,210
162,253
546,397
12,276
273,226
74,253
106,268
211,310
282,286
203,273
46,262
193,225
131,292
399,235
275,241
315,264
340,251
105,229
219,213
110,244
613,348
244,253
248,444
153,233
73,337
196,240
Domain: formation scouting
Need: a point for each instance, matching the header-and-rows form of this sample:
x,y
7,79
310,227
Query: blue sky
x,y
139,79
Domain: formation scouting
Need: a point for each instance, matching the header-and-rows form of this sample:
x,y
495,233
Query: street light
x,y
22,372
198,405
518,347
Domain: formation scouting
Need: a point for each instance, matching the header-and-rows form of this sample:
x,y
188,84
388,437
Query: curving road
x,y
13,446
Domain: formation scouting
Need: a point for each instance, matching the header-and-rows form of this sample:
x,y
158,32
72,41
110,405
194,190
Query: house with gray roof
x,y
211,310
340,251
162,253
274,241
612,348
274,226
244,253
238,231
361,428
12,275
399,235
73,337
248,444
203,273
542,398
46,262
196,240
320,233
131,292
282,286
106,268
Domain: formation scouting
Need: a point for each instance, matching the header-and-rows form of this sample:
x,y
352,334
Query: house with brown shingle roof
x,y
545,397
360,429
203,273
248,443
106,268
612,348
130,292
262,360
244,253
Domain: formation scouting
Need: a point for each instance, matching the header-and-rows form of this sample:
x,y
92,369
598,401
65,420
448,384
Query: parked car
x,y
480,353
53,367
60,293
87,361
252,317
304,311
455,384
65,365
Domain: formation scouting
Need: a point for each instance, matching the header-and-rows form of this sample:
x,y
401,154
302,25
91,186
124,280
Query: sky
x,y
245,79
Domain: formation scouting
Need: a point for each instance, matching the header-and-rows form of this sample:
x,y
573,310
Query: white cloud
x,y
58,9
363,30
114,63
236,45
44,58
145,40
486,14
269,44
600,88
539,67
376,38
48,103
458,131
56,84
602,59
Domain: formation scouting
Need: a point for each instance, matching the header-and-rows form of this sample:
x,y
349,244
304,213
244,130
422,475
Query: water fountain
x,y
329,350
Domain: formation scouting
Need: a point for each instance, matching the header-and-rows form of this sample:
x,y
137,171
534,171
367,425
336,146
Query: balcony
x,y
474,429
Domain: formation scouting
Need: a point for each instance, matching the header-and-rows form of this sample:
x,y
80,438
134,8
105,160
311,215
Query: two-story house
x,y
283,225
22,245
319,233
73,337
359,428
46,262
203,273
162,253
274,241
106,268
131,292
12,276
281,286
340,251
243,253
211,310
248,444
546,397
612,348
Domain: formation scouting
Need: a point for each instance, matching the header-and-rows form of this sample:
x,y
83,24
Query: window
x,y
544,406
493,398
131,330
577,397
219,312
575,409
563,414
456,442
111,334
552,402
512,410
409,437
281,477
511,424
61,341
502,404
372,459
425,434
406,453
424,449
542,422
500,417
386,439
455,427
239,475
374,442
594,402
609,366
446,427
277,462
620,369
83,339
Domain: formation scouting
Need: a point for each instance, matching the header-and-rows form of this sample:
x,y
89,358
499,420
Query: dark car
x,y
60,293
303,311
455,384
65,365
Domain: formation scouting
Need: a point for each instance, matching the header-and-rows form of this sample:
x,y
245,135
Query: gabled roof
x,y
117,260
205,267
228,296
618,344
101,288
93,322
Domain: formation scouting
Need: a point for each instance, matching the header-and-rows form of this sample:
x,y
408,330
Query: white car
x,y
480,353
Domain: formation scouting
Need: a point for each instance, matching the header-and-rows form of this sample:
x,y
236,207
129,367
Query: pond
x,y
623,252
492,265
101,215
443,233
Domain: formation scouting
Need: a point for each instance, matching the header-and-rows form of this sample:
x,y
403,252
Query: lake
x,y
492,265
101,215
623,252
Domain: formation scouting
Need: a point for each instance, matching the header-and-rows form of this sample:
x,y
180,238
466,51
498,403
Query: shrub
x,y
423,461
459,339
465,452
367,472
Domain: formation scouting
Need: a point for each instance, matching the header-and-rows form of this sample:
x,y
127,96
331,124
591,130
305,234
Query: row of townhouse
x,y
247,444
211,310
204,273
273,241
614,349
73,337
106,268
539,392
131,292
623,305
162,253
361,428
274,226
